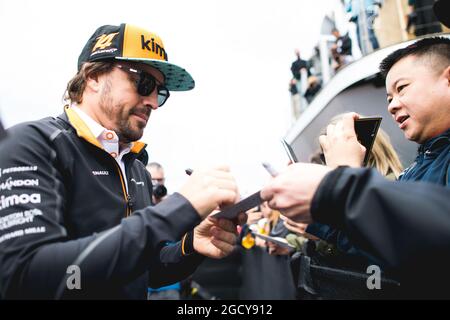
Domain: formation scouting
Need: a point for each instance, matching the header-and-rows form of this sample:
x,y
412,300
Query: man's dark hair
x,y
76,86
436,46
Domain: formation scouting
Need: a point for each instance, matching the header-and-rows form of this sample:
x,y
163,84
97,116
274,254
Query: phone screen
x,y
289,151
366,130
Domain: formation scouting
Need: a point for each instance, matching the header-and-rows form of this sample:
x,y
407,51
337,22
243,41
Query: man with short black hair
x,y
418,93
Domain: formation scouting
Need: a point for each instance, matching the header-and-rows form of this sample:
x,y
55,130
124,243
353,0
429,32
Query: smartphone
x,y
289,151
366,131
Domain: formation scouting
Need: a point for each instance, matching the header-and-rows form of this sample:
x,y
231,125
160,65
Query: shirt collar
x,y
96,128
104,136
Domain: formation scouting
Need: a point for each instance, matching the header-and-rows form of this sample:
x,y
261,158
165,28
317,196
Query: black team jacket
x,y
68,227
405,224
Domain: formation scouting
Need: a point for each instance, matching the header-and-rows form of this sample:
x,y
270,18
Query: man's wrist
x,y
325,206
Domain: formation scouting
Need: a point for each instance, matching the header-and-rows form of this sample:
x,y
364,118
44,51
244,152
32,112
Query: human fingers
x,y
324,143
225,248
299,213
224,235
225,197
330,130
267,192
298,228
347,124
226,225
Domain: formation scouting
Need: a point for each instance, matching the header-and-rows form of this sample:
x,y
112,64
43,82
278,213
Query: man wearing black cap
x,y
75,220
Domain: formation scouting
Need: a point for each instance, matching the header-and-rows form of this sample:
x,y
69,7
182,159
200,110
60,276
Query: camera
x,y
159,191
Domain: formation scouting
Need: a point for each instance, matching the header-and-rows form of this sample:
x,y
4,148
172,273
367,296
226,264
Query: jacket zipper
x,y
126,196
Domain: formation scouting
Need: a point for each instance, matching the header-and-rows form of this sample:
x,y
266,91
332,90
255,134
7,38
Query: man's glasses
x,y
146,83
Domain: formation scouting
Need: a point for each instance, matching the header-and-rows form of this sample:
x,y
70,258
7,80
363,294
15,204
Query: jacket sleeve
x,y
173,265
405,224
35,251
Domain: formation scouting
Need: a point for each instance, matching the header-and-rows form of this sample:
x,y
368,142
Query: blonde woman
x,y
384,158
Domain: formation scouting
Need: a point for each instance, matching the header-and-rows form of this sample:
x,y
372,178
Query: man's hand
x,y
254,215
291,191
215,238
260,242
340,145
209,189
297,228
276,250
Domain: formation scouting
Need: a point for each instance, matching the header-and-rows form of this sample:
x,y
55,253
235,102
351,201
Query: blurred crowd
x,y
362,16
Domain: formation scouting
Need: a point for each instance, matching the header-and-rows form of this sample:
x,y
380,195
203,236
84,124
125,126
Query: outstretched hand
x,y
215,238
291,192
208,189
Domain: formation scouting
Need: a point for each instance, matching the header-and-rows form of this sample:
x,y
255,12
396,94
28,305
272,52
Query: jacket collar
x,y
83,131
435,142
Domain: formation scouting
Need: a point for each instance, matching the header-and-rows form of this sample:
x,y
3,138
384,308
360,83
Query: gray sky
x,y
238,51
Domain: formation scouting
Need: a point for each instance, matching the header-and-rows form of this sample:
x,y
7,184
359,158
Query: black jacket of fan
x,y
406,225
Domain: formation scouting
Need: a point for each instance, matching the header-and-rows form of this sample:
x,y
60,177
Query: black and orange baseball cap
x,y
131,43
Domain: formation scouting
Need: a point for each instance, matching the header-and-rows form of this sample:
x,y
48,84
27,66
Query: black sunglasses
x,y
146,83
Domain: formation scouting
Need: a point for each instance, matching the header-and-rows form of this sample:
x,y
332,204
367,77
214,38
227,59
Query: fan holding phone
x,y
358,141
366,130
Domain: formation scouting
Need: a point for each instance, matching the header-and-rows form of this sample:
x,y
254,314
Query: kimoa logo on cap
x,y
150,45
105,40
